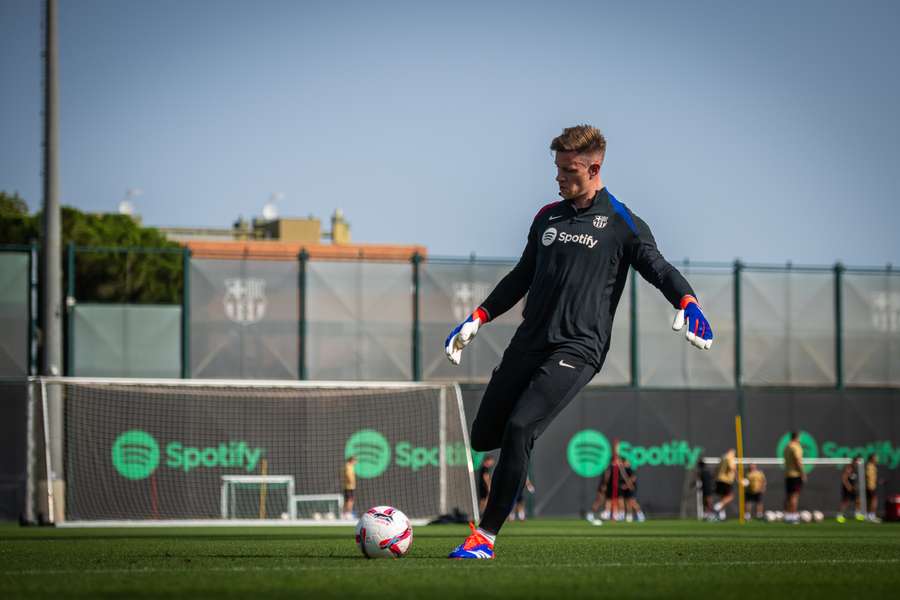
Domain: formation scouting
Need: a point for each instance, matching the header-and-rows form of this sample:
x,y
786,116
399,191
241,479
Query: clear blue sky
x,y
761,130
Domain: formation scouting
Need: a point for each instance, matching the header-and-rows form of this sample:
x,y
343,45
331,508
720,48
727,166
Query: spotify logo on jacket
x,y
551,235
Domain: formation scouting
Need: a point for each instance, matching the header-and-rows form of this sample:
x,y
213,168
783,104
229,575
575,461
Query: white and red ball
x,y
384,532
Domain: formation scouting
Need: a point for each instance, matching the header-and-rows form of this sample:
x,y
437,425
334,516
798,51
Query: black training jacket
x,y
574,269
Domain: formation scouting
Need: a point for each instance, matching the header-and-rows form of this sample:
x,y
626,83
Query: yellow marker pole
x,y
264,468
740,457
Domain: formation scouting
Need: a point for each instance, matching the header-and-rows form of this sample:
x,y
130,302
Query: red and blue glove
x,y
699,333
464,333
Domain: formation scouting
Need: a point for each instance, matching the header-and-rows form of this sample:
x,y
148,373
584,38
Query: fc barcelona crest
x,y
600,221
245,300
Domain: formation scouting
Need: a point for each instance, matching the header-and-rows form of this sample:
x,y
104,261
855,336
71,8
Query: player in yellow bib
x,y
872,488
349,481
794,476
725,483
755,488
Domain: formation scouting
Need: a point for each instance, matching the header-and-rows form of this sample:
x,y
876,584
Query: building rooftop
x,y
276,250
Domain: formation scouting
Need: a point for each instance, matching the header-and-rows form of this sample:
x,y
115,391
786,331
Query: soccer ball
x,y
818,516
384,532
770,516
805,516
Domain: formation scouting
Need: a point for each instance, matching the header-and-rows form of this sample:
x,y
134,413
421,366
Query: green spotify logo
x,y
807,442
135,454
372,452
589,452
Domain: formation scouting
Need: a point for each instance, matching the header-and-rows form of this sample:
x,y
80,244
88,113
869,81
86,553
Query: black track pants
x,y
524,395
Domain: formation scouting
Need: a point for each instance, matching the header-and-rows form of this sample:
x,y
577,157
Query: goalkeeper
x,y
574,267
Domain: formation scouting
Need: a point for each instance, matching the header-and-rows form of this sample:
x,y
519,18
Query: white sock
x,y
589,516
490,536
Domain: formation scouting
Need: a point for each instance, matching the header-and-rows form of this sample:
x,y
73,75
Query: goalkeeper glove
x,y
699,333
464,333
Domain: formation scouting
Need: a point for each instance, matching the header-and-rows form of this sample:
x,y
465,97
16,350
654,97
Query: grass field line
x,y
429,567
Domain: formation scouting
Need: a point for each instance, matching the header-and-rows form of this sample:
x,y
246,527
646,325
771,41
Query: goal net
x,y
161,451
821,491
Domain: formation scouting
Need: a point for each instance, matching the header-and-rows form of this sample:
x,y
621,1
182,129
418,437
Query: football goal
x,y
143,451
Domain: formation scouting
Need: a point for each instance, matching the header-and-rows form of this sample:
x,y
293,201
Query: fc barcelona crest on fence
x,y
465,296
245,300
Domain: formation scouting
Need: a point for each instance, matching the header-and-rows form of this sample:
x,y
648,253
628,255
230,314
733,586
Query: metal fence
x,y
126,340
120,316
776,326
18,311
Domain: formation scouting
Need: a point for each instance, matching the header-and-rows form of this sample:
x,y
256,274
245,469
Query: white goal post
x,y
261,482
219,452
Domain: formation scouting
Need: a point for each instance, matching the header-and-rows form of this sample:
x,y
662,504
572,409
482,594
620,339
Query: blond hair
x,y
583,139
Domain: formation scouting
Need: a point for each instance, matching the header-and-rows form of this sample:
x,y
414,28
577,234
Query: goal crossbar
x,y
772,461
239,383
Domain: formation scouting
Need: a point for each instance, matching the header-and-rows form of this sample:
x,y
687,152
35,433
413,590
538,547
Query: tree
x,y
12,206
16,226
150,272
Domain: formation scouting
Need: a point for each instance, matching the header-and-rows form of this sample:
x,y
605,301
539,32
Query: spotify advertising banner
x,y
162,454
663,433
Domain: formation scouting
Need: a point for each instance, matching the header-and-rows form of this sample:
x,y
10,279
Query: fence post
x,y
301,316
888,271
32,308
69,358
739,388
635,366
838,326
416,359
186,313
738,267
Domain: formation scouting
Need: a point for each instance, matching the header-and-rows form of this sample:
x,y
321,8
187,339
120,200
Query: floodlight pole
x,y
52,266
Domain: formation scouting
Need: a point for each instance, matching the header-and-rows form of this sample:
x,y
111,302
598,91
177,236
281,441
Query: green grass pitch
x,y
542,558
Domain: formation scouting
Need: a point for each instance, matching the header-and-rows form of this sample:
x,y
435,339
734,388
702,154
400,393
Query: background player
x,y
756,487
629,493
483,480
519,512
599,500
574,268
850,490
794,476
349,481
704,485
872,488
725,483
